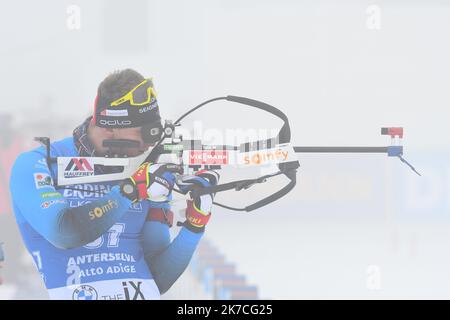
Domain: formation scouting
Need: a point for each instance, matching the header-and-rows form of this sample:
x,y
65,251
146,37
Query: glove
x,y
198,209
151,181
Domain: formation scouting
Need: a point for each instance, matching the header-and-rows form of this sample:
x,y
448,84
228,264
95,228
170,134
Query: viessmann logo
x,y
78,167
209,157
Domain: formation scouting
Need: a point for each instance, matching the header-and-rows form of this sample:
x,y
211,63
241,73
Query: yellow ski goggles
x,y
138,96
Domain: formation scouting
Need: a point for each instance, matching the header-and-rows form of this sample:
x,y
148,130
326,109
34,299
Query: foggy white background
x,y
360,226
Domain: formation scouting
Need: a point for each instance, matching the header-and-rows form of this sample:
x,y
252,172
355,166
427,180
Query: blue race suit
x,y
87,240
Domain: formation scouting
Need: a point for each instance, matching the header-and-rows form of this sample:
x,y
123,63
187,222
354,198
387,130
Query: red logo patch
x,y
208,157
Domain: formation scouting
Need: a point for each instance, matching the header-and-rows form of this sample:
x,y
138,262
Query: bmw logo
x,y
84,292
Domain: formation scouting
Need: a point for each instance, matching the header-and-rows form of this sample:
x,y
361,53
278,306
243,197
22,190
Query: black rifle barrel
x,y
341,149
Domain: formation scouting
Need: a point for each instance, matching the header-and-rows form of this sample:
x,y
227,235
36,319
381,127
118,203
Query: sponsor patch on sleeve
x,y
46,204
46,195
42,180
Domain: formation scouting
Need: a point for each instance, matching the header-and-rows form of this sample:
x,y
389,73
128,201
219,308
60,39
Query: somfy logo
x,y
98,212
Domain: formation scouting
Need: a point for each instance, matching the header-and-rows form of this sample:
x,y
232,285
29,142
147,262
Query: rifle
x,y
193,156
